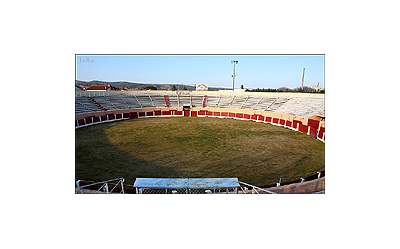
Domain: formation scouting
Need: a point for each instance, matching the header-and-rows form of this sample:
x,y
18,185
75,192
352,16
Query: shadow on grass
x,y
96,159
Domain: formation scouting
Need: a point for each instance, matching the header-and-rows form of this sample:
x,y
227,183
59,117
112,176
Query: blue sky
x,y
253,71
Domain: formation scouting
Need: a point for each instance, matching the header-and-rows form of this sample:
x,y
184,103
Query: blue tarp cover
x,y
182,183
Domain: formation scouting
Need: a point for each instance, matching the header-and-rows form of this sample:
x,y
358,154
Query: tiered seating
x,y
158,100
297,106
225,101
277,104
173,100
212,100
118,102
304,107
197,100
83,105
105,102
251,102
184,100
238,102
131,101
264,103
145,101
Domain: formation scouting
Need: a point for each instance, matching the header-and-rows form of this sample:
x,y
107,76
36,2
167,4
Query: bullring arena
x,y
272,119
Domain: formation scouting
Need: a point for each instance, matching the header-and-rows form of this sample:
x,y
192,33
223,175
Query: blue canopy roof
x,y
183,183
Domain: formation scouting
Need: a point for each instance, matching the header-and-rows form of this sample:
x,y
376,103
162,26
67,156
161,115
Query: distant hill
x,y
140,86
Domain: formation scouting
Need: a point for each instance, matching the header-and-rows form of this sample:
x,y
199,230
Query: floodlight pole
x,y
234,75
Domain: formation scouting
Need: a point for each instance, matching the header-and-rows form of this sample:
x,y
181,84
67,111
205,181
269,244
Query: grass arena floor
x,y
255,153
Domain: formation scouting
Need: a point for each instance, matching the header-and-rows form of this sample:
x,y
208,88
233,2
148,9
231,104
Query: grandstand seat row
x,y
293,106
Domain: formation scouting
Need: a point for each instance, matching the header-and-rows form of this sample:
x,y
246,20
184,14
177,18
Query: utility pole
x,y
302,80
234,75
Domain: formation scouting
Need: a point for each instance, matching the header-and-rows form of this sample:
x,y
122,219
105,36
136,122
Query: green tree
x,y
150,87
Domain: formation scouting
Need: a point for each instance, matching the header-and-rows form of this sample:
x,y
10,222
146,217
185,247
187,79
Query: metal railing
x,y
104,187
255,189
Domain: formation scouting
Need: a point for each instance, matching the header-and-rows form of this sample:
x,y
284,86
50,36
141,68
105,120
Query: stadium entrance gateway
x,y
186,185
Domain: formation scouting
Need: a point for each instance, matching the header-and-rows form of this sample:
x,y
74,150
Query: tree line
x,y
285,89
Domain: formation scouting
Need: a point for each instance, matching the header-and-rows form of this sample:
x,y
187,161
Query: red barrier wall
x,y
202,113
179,113
111,116
321,132
313,132
208,113
295,122
239,115
246,116
88,120
261,118
142,114
232,115
149,114
254,117
157,113
275,120
133,115
288,123
224,114
96,119
313,123
282,121
268,119
166,112
81,122
303,128
217,114
194,113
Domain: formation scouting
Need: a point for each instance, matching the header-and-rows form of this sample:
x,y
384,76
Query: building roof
x,y
98,88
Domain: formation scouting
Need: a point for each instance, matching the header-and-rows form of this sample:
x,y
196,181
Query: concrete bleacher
x,y
251,102
84,105
303,107
279,102
173,100
131,101
238,102
118,102
115,102
246,102
212,100
264,103
184,100
105,102
145,101
286,104
197,100
158,100
225,101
